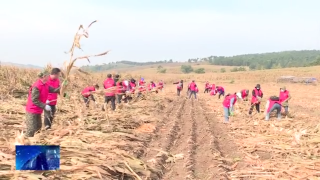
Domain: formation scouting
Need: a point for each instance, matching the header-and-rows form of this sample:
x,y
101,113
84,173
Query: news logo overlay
x,y
37,157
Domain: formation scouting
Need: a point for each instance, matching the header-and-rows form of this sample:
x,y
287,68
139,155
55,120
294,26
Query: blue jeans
x,y
226,112
193,92
274,107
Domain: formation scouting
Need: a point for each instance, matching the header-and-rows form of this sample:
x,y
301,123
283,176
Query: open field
x,y
166,137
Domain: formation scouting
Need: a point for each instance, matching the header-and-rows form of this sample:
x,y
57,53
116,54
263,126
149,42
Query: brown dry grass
x,y
96,144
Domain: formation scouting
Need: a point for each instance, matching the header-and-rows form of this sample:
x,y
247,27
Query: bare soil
x,y
187,129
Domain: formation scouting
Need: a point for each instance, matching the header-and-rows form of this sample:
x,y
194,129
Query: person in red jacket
x,y
110,96
37,102
273,104
142,82
213,90
207,87
257,94
243,94
220,90
87,94
160,85
179,87
120,92
228,104
284,99
193,87
54,82
132,85
151,86
126,89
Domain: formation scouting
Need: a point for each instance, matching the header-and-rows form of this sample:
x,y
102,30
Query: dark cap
x,y
258,86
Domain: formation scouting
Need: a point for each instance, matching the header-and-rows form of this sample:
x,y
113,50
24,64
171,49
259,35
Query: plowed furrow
x,y
207,164
182,169
164,140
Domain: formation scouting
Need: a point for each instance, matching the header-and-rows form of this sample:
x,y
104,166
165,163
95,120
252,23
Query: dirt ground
x,y
191,143
163,136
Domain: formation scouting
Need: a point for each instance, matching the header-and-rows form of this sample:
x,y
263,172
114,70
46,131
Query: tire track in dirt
x,y
164,142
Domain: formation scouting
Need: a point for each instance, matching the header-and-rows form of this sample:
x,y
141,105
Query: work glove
x,y
47,108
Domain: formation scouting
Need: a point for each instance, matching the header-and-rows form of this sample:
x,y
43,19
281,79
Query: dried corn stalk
x,y
69,65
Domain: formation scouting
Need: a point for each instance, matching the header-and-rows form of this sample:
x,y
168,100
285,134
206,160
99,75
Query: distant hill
x,y
273,60
269,60
120,65
21,65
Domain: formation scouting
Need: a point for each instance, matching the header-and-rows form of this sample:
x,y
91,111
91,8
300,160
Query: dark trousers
x,y
257,108
87,99
48,116
193,92
119,98
221,94
206,90
111,99
178,92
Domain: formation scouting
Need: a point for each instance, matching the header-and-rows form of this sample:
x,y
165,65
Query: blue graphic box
x,y
37,157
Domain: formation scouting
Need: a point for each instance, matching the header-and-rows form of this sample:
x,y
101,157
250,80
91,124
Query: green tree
x,y
222,70
162,71
186,69
200,71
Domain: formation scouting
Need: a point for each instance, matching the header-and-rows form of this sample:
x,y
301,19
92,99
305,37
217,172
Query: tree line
x,y
269,60
272,60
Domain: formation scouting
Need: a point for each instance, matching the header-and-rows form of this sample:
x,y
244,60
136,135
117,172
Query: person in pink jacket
x,y
54,82
110,95
193,89
37,102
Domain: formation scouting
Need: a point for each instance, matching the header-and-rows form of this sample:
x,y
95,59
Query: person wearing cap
x,y
141,83
193,88
54,82
257,94
87,94
284,97
110,95
243,94
37,102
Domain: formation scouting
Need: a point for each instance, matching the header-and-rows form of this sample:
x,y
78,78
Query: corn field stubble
x,y
138,140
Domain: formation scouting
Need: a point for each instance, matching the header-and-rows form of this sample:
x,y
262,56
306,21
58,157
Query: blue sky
x,y
37,32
